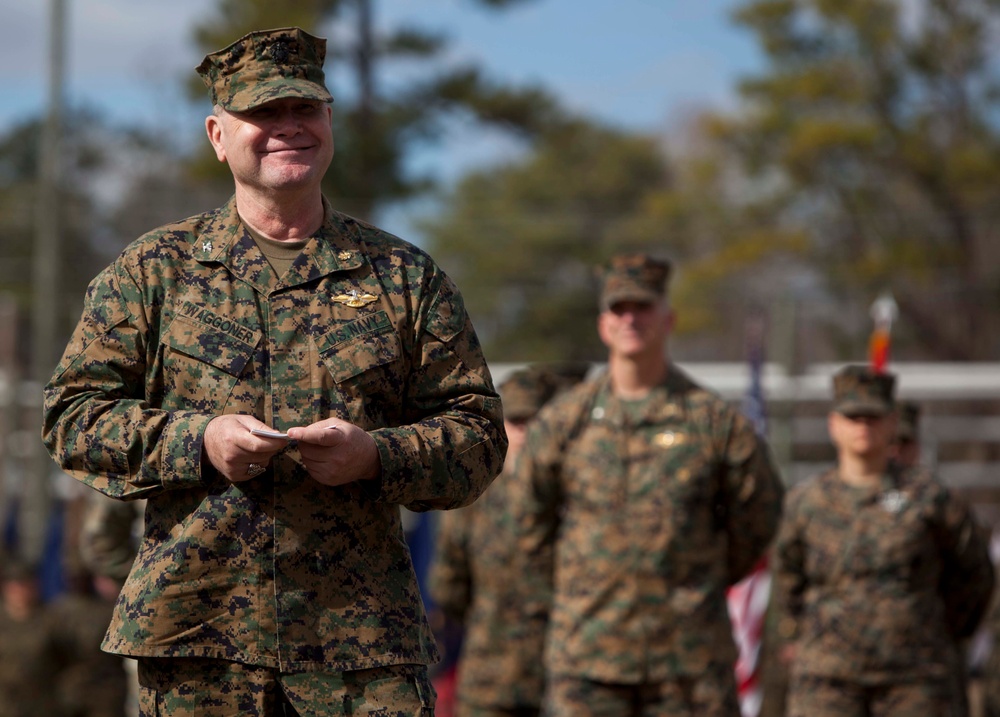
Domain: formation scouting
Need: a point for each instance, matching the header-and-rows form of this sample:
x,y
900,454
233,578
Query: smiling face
x,y
282,145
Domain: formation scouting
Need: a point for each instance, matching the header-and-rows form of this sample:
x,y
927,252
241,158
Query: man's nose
x,y
287,122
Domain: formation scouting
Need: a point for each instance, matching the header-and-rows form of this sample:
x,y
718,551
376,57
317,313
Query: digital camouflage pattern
x,y
190,322
474,580
709,694
632,524
858,390
236,689
877,584
634,277
816,696
266,65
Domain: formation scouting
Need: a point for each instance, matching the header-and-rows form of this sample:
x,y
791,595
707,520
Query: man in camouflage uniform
x,y
880,571
91,683
272,577
645,496
30,657
474,583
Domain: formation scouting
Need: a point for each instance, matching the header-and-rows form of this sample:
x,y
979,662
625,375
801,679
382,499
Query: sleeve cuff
x,y
181,451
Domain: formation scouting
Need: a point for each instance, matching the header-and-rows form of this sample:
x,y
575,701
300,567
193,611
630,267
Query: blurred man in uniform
x,y
91,683
906,444
645,496
108,543
276,379
474,582
880,571
30,659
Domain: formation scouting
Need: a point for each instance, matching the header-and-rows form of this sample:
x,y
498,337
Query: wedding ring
x,y
255,469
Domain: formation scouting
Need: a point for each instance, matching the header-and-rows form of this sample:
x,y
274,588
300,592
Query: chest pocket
x,y
361,357
202,363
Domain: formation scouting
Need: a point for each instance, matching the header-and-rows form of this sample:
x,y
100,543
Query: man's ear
x,y
213,128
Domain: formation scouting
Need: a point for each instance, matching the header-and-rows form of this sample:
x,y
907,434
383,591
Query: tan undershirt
x,y
279,254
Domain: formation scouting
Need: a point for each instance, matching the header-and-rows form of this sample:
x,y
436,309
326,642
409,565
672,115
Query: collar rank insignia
x,y
344,255
206,246
355,299
893,501
667,439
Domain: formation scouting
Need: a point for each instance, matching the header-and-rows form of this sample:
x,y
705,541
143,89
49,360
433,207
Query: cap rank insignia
x,y
355,299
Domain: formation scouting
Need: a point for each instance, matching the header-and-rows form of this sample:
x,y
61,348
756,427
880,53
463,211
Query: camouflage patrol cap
x,y
908,427
526,390
860,391
634,277
266,65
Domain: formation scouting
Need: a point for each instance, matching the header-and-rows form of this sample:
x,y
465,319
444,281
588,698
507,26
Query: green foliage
x,y
880,119
523,240
84,158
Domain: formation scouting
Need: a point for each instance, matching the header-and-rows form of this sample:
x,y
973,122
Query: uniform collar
x,y
338,247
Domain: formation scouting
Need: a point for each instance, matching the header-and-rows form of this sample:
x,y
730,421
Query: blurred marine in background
x,y
475,582
641,498
881,572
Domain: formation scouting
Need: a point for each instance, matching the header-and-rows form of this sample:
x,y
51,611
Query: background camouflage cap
x,y
634,277
860,391
908,427
526,390
266,65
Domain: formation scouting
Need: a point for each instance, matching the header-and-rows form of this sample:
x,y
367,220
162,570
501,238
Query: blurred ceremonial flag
x,y
883,311
747,601
748,598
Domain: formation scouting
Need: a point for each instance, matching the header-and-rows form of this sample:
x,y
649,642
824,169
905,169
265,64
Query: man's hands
x,y
232,449
334,452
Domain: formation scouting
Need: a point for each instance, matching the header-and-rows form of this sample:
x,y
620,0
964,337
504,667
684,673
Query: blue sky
x,y
634,62
639,64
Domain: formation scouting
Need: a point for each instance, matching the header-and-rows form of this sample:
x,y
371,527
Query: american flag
x,y
748,598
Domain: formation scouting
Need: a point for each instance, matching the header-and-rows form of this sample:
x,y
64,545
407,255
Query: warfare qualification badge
x,y
355,299
893,501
